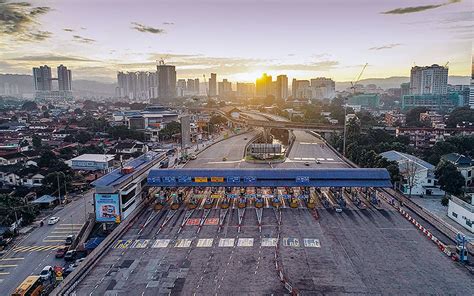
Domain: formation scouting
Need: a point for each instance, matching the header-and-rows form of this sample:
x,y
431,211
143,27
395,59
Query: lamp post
x,y
345,129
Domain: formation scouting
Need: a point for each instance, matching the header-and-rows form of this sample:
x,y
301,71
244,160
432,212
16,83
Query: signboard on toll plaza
x,y
226,242
291,242
193,221
269,242
245,242
205,243
183,243
211,221
161,243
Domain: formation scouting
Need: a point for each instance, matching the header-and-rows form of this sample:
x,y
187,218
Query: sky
x,y
237,39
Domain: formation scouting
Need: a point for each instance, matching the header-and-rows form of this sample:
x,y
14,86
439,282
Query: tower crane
x,y
353,83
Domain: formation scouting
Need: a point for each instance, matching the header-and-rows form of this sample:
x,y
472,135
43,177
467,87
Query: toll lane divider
x,y
279,267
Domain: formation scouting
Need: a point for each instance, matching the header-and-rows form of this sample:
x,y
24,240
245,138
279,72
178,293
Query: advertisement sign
x,y
217,179
107,207
200,179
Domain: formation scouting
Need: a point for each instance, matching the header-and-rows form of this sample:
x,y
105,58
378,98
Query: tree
x,y
170,129
12,208
78,111
29,106
460,115
83,137
413,116
449,178
123,132
47,159
408,170
36,141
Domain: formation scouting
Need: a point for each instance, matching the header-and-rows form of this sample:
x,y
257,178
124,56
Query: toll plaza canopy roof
x,y
336,177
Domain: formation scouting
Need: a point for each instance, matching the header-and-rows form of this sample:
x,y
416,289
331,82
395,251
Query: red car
x,y
61,252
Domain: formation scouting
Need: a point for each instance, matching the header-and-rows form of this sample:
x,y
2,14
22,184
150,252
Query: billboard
x,y
185,131
107,207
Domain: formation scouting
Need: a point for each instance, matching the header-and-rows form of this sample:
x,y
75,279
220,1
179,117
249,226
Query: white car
x,y
46,272
53,220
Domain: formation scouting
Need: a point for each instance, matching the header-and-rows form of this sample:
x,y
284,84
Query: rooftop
x,y
403,159
94,157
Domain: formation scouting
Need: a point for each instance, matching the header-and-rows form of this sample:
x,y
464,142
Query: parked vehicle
x,y
46,273
61,252
70,255
70,239
192,157
53,220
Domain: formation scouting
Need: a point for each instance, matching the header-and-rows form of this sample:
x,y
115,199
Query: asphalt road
x,y
36,249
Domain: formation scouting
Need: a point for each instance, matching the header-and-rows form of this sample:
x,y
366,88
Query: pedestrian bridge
x,y
336,177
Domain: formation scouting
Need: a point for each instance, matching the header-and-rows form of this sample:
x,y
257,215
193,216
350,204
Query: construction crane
x,y
446,65
353,83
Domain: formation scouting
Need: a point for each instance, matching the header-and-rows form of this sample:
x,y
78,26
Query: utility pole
x,y
345,129
59,188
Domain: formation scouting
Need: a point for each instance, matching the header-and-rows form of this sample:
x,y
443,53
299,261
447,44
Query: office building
x,y
405,89
429,80
225,88
42,78
213,85
445,102
190,85
64,78
323,88
301,89
196,86
166,82
281,87
264,86
245,90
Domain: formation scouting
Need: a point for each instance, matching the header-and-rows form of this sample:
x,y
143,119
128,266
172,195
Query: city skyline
x,y
302,39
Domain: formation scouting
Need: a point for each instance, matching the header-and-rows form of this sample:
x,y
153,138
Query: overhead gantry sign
x,y
352,177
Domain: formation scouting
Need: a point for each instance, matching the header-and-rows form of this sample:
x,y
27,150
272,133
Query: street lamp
x,y
345,129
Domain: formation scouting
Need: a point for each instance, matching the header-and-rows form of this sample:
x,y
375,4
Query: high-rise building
x,y
471,89
190,85
323,88
213,85
43,79
245,90
429,80
263,86
180,87
166,82
281,91
64,78
225,88
153,85
196,86
301,89
137,86
405,89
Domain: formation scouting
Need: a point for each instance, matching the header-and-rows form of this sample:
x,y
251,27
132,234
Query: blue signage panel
x,y
107,207
250,179
184,179
168,179
233,179
302,179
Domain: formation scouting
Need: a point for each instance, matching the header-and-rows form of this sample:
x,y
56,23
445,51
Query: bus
x,y
31,286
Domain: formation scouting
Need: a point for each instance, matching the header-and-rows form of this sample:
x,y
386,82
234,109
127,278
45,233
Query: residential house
x,y
464,164
417,174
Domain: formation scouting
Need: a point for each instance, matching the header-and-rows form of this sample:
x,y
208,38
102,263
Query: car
x,y
61,252
78,261
53,220
245,139
70,255
46,273
318,161
70,239
68,269
224,159
306,163
192,157
338,210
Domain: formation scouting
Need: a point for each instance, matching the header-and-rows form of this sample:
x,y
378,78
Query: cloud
x,y
51,58
83,39
413,9
146,29
17,20
388,46
168,23
68,30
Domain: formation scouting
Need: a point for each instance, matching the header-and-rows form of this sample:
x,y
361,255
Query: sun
x,y
250,76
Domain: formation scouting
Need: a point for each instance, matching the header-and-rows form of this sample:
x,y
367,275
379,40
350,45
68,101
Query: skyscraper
x,y
190,85
281,91
213,85
429,80
264,86
196,86
43,79
225,88
64,78
301,89
323,88
166,82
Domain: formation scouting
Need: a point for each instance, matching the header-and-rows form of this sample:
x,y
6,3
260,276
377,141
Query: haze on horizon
x,y
237,39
